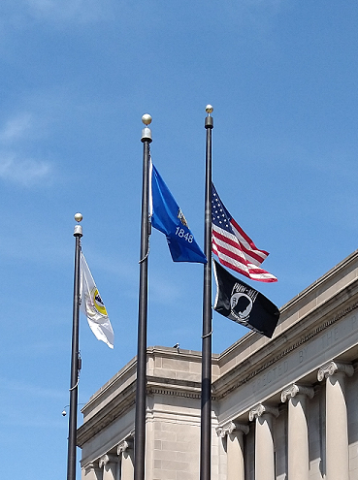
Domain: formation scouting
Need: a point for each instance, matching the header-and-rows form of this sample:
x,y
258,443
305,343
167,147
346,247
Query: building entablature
x,y
269,396
322,322
125,400
284,356
112,455
335,287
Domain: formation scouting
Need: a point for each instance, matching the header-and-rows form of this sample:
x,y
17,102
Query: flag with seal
x,y
239,302
167,217
93,306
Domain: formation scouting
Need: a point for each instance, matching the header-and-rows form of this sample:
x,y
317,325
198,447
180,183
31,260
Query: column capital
x,y
292,390
107,458
92,466
331,368
127,444
92,470
260,410
230,427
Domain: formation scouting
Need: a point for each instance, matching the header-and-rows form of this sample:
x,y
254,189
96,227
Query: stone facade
x,y
283,408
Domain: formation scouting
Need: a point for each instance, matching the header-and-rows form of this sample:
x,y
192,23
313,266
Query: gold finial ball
x,y
78,217
147,119
209,109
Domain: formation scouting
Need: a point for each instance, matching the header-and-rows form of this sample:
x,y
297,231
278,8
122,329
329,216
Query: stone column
x,y
298,446
235,449
109,463
125,450
264,446
336,419
91,472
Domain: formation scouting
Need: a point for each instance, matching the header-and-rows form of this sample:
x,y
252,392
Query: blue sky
x,y
76,76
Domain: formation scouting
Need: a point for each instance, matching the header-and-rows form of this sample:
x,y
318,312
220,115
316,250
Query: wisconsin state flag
x,y
167,217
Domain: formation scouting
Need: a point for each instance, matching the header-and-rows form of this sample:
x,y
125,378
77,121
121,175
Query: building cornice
x,y
107,414
126,400
117,396
293,338
225,385
324,279
300,301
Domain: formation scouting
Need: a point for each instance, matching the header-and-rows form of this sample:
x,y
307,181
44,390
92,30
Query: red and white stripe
x,y
238,252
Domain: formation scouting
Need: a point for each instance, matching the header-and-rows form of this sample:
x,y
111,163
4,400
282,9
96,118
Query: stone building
x,y
284,408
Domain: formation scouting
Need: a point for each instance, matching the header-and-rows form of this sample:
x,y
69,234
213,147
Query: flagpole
x,y
205,448
75,358
139,437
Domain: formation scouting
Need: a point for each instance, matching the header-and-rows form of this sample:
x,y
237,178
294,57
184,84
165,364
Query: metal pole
x,y
139,438
205,448
75,358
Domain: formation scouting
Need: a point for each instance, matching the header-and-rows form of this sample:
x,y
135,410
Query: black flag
x,y
242,304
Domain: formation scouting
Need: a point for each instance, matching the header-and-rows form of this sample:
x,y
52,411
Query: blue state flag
x,y
167,217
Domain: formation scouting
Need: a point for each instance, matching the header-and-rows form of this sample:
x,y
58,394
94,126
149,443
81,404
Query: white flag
x,y
93,307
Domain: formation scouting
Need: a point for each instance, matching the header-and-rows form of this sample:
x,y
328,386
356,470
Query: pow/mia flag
x,y
239,302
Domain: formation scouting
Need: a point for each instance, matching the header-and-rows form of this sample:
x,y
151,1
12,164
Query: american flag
x,y
233,247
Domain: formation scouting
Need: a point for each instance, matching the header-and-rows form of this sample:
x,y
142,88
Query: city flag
x,y
167,217
233,247
93,306
239,302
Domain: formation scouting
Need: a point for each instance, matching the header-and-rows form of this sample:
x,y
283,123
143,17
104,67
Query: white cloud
x,y
20,14
30,389
68,10
24,171
16,128
15,165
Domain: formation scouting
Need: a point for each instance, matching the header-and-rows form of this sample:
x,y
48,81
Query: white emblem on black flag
x,y
239,302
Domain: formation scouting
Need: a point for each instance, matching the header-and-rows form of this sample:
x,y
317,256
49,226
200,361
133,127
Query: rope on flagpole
x,y
207,334
75,386
145,256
